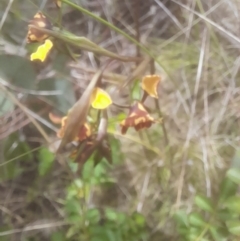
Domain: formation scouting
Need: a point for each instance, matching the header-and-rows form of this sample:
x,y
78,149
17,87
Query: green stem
x,y
136,20
166,139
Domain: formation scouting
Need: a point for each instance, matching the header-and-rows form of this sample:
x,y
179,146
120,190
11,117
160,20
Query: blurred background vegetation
x,y
177,183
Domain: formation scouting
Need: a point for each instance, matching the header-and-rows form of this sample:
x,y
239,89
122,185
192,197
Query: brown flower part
x,y
138,118
85,149
150,84
83,133
61,132
90,146
35,35
55,119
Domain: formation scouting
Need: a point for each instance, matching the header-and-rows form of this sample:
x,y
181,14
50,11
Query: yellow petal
x,y
150,84
100,99
42,51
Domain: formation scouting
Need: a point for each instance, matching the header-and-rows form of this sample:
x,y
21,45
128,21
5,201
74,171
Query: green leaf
x,y
117,155
16,150
236,159
111,214
112,236
227,188
6,105
10,171
121,220
112,123
18,71
193,233
100,170
73,230
60,64
46,159
136,90
219,234
139,219
73,211
183,231
195,219
73,166
234,175
93,216
4,228
66,99
182,218
224,214
58,236
98,233
204,203
233,204
78,189
88,170
233,227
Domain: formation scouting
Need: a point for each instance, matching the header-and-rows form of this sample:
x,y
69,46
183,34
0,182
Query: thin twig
x,y
26,111
33,227
137,30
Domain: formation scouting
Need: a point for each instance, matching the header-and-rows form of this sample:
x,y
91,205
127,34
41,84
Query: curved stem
x,y
121,106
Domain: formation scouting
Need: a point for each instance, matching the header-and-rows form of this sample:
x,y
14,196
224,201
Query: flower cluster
x,y
36,33
138,116
39,30
99,99
84,132
84,137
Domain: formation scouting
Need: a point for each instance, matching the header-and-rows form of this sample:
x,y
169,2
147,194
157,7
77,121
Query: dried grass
x,y
197,43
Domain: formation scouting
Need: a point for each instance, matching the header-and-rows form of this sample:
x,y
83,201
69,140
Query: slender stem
x,y
152,67
59,18
144,97
157,103
166,139
19,156
24,109
136,20
121,106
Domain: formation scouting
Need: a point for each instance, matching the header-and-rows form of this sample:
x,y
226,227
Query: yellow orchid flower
x,y
42,51
150,84
100,99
